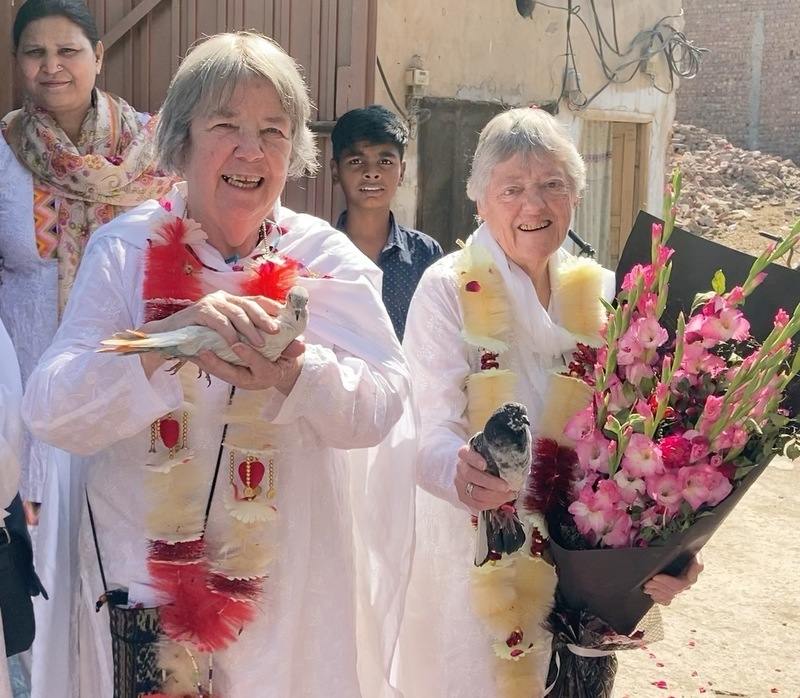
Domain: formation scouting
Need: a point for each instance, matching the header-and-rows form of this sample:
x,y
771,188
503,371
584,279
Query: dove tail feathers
x,y
133,342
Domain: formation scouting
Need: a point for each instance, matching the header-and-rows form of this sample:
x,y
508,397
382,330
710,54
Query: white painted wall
x,y
483,50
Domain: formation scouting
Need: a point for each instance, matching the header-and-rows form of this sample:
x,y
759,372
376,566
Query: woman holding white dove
x,y
235,506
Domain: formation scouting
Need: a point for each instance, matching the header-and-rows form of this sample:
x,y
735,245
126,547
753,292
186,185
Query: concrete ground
x,y
737,631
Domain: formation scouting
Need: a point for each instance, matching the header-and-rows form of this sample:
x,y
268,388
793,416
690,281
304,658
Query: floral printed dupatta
x,y
79,187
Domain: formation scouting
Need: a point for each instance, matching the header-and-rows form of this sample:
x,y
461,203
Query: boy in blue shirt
x,y
368,149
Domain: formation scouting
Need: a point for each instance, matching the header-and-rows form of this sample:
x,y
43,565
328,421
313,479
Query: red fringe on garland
x,y
272,279
190,551
552,474
196,614
171,272
239,589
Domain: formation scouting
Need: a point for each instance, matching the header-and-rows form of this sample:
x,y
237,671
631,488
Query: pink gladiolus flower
x,y
665,489
735,296
593,452
712,409
651,518
647,304
618,400
642,457
608,494
637,372
637,271
702,484
675,451
580,425
759,278
718,323
663,256
618,532
630,488
657,230
648,333
700,446
629,348
732,436
715,460
590,514
641,407
781,318
697,360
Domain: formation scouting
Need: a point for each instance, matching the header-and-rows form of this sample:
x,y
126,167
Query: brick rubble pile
x,y
725,188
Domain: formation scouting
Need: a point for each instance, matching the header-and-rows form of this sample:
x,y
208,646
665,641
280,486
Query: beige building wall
x,y
483,50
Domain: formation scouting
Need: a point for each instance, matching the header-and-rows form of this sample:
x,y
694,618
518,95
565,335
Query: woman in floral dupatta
x,y
72,158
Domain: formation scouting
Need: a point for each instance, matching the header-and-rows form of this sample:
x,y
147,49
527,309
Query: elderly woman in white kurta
x,y
287,539
526,179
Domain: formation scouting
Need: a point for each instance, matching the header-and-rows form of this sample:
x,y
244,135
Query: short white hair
x,y
207,78
528,132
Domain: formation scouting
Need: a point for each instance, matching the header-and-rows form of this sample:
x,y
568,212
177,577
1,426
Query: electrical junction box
x,y
416,77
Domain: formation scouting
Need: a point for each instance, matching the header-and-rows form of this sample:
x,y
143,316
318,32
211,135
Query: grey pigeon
x,y
189,341
505,444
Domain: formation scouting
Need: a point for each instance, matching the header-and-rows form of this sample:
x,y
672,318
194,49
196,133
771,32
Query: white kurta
x,y
445,649
350,393
10,446
29,308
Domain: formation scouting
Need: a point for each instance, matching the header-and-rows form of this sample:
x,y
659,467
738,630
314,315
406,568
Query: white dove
x,y
189,341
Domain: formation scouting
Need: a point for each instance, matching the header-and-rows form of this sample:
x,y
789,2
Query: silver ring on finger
x,y
468,489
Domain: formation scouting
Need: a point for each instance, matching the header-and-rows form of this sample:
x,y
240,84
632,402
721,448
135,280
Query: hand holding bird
x,y
235,338
505,445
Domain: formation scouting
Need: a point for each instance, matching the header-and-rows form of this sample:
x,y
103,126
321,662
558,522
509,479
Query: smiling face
x,y
369,174
528,206
57,65
236,165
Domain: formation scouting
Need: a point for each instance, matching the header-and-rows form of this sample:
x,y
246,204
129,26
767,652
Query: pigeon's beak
x,y
297,315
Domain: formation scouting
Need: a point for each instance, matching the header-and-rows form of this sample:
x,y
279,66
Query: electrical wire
x,y
389,90
663,40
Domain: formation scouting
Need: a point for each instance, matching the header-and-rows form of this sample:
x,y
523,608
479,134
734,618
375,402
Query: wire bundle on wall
x,y
663,40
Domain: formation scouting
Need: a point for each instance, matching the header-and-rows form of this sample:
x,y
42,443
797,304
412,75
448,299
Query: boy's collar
x,y
396,237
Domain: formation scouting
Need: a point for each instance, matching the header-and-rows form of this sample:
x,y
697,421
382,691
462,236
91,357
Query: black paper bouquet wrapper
x,y
600,605
608,582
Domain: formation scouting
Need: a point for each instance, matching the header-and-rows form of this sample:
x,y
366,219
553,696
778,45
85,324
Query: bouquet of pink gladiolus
x,y
676,425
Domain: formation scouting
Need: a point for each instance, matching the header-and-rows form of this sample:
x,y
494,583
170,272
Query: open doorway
x,y
616,154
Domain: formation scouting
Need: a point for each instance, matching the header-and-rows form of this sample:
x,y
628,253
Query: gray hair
x,y
527,132
207,78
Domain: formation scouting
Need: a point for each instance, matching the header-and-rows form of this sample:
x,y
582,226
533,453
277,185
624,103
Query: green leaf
x,y
613,425
718,282
701,299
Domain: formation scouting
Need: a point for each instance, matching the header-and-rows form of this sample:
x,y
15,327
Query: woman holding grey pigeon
x,y
228,515
486,327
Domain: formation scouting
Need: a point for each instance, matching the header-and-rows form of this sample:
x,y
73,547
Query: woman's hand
x,y
235,318
229,315
258,372
663,588
478,489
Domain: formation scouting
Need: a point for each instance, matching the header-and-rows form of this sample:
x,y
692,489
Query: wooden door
x,y
629,147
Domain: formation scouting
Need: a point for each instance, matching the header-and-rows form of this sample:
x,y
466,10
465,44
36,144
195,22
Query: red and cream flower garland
x,y
513,594
211,579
